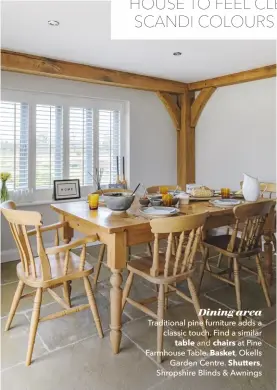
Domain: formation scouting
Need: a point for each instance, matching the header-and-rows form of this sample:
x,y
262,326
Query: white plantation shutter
x,y
81,146
14,136
108,143
44,137
90,147
49,145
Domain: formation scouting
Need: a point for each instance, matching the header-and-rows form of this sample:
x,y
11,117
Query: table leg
x,y
116,311
68,233
117,257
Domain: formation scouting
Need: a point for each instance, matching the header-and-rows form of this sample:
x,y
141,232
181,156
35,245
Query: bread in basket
x,y
202,192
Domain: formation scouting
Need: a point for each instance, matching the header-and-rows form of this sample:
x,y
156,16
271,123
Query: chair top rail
x,y
178,224
253,209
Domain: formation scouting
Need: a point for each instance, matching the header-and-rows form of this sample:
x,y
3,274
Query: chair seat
x,y
57,270
220,244
143,266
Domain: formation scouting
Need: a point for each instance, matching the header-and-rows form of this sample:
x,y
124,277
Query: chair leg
x,y
14,304
197,306
93,306
34,325
205,258
274,241
160,327
230,269
220,256
262,281
67,292
237,285
166,297
99,264
127,289
149,249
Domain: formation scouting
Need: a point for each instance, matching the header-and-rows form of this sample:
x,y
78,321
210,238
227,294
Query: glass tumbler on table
x,y
225,193
163,190
93,201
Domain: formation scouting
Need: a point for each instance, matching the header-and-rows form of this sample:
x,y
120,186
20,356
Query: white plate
x,y
159,211
225,202
199,198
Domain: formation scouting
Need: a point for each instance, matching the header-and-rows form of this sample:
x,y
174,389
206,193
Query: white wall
x,y
151,133
236,133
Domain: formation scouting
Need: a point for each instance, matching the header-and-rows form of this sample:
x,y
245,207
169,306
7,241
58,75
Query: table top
x,y
113,222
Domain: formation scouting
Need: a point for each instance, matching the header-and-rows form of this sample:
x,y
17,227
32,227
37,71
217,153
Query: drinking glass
x,y
225,193
163,190
93,201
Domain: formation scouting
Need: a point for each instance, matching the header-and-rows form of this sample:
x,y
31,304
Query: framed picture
x,y
66,189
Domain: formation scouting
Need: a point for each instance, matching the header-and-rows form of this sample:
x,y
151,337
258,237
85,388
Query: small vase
x,y
250,188
4,192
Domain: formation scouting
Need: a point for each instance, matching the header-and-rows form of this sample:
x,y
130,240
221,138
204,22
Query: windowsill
x,y
44,202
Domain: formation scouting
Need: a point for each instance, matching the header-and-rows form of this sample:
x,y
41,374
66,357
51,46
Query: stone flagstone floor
x,y
69,355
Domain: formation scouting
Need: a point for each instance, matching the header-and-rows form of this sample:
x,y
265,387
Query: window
x,y
45,138
14,129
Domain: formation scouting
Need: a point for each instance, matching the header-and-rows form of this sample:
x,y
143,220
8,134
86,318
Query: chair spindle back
x,y
189,226
18,221
253,216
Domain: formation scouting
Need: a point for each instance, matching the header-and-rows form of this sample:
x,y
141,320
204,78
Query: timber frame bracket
x,y
171,104
199,104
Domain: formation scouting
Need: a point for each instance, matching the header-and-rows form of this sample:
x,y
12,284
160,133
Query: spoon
x,y
135,189
176,189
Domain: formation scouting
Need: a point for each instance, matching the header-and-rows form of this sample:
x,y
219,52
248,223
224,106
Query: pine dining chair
x,y
155,190
239,245
165,270
268,190
51,268
102,250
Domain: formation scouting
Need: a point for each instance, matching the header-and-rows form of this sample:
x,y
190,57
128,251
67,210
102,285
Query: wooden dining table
x,y
120,231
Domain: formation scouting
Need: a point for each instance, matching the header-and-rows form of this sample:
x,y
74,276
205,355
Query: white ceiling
x,y
84,36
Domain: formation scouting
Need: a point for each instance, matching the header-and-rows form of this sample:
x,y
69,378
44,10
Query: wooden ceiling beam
x,y
235,78
41,66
